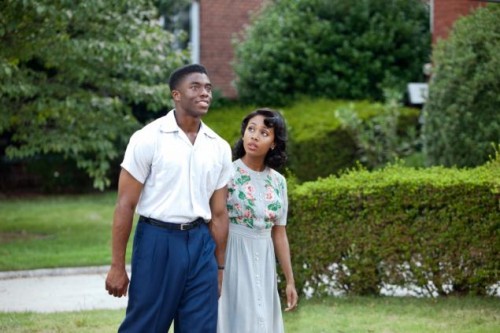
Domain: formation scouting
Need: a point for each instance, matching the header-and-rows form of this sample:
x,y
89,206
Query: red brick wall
x,y
446,12
219,21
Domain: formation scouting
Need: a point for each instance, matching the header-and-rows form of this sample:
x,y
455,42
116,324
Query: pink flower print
x,y
270,215
269,194
243,172
247,214
237,207
249,191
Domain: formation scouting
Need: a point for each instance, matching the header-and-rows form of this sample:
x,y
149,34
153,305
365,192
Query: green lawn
x,y
56,231
328,315
394,314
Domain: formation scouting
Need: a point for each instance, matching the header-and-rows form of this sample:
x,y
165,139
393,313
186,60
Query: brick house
x,y
215,22
445,12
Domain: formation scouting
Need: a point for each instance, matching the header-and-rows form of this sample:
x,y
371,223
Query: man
x,y
174,175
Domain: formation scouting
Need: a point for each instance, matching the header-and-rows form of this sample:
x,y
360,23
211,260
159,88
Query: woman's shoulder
x,y
237,164
277,175
239,170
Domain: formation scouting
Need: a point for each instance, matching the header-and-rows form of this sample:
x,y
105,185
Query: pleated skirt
x,y
249,301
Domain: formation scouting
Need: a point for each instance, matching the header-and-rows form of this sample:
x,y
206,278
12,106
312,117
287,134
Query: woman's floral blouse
x,y
257,200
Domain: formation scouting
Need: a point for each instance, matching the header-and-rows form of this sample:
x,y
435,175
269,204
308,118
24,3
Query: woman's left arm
x,y
282,250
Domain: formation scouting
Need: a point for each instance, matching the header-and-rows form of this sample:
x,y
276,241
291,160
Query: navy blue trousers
x,y
174,278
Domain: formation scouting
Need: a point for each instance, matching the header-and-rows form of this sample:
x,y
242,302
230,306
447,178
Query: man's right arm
x,y
129,191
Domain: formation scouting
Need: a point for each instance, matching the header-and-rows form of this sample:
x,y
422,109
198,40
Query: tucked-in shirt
x,y
179,177
257,200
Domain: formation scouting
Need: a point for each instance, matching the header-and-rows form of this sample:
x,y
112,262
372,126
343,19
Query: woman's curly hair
x,y
275,158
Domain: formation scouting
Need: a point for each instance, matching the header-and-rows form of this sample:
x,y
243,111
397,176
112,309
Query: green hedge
x,y
400,226
318,146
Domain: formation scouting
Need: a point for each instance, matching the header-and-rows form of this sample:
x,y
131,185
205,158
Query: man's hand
x,y
117,282
129,191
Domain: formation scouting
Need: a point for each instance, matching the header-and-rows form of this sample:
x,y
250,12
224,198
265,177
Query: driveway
x,y
56,290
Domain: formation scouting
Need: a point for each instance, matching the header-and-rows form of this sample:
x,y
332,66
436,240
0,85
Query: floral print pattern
x,y
257,200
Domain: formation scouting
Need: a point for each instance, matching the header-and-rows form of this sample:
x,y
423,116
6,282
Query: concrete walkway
x,y
82,288
56,290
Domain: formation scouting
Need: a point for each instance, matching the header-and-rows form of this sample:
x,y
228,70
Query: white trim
x,y
431,17
194,14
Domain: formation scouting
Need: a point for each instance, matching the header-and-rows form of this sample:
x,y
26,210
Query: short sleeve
x,y
227,167
139,156
284,191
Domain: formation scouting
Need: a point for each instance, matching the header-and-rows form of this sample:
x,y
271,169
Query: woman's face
x,y
258,138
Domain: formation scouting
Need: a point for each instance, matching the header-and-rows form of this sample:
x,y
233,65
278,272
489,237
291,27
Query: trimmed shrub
x,y
462,113
399,226
331,48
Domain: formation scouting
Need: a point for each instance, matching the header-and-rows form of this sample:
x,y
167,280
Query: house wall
x,y
220,20
446,12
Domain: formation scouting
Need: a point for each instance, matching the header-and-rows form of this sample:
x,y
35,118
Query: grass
x,y
56,231
328,315
393,314
85,321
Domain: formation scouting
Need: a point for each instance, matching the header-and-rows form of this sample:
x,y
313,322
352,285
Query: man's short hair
x,y
181,72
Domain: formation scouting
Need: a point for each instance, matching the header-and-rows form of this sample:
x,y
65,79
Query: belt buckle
x,y
185,226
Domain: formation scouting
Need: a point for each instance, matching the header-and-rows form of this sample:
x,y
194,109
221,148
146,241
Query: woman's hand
x,y
291,297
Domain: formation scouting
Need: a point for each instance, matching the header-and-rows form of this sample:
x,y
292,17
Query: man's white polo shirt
x,y
179,177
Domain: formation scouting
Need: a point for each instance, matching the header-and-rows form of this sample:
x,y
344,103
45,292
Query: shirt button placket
x,y
258,284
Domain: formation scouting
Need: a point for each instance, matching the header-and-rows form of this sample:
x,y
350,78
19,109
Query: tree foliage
x,y
71,73
462,113
331,48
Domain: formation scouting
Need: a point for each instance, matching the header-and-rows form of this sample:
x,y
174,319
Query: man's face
x,y
193,95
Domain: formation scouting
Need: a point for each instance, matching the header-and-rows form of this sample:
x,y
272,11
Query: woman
x,y
257,206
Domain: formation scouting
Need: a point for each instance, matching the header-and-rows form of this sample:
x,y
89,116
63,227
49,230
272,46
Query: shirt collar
x,y
169,125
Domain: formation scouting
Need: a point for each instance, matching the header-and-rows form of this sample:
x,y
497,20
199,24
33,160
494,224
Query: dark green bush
x,y
385,137
331,48
462,113
50,173
400,226
318,146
